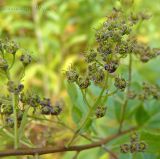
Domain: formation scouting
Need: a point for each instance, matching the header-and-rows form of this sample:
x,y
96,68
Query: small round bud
x,y
11,86
100,111
72,75
134,137
142,146
56,110
145,58
45,102
7,109
84,82
47,110
9,122
120,83
97,76
125,148
11,47
134,147
131,95
3,64
25,59
91,56
19,115
111,67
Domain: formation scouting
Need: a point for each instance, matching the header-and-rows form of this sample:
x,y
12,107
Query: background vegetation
x,y
57,32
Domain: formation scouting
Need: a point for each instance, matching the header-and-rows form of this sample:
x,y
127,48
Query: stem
x,y
76,155
89,114
14,105
85,99
14,101
13,60
36,156
124,106
41,151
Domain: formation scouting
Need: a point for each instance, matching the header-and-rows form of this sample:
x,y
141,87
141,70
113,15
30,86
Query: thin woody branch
x,y
42,151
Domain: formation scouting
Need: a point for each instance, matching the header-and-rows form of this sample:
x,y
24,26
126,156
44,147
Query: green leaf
x,y
152,140
79,108
137,156
125,156
76,114
141,115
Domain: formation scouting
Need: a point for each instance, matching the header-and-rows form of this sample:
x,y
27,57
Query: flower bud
x,y
72,75
120,83
125,148
111,67
100,111
84,82
25,59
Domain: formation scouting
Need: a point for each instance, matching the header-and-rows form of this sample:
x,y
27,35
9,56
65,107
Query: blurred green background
x,y
57,32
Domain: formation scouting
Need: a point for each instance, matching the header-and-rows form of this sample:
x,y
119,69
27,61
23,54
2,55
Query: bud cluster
x,y
100,111
134,146
42,106
9,46
149,90
120,83
14,88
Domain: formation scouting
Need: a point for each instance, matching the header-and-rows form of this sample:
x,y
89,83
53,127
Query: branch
x,y
41,151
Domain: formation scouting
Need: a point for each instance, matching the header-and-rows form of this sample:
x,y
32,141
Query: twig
x,y
41,151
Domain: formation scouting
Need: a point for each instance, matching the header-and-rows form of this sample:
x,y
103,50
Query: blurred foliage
x,y
58,32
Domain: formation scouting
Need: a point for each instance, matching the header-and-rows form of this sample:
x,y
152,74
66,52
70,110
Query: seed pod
x,y
134,137
134,147
131,95
100,111
142,146
111,67
92,68
125,148
46,110
145,58
11,47
99,76
90,56
25,59
23,98
3,64
19,115
56,110
72,75
84,82
20,87
45,102
9,122
11,86
120,83
7,109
